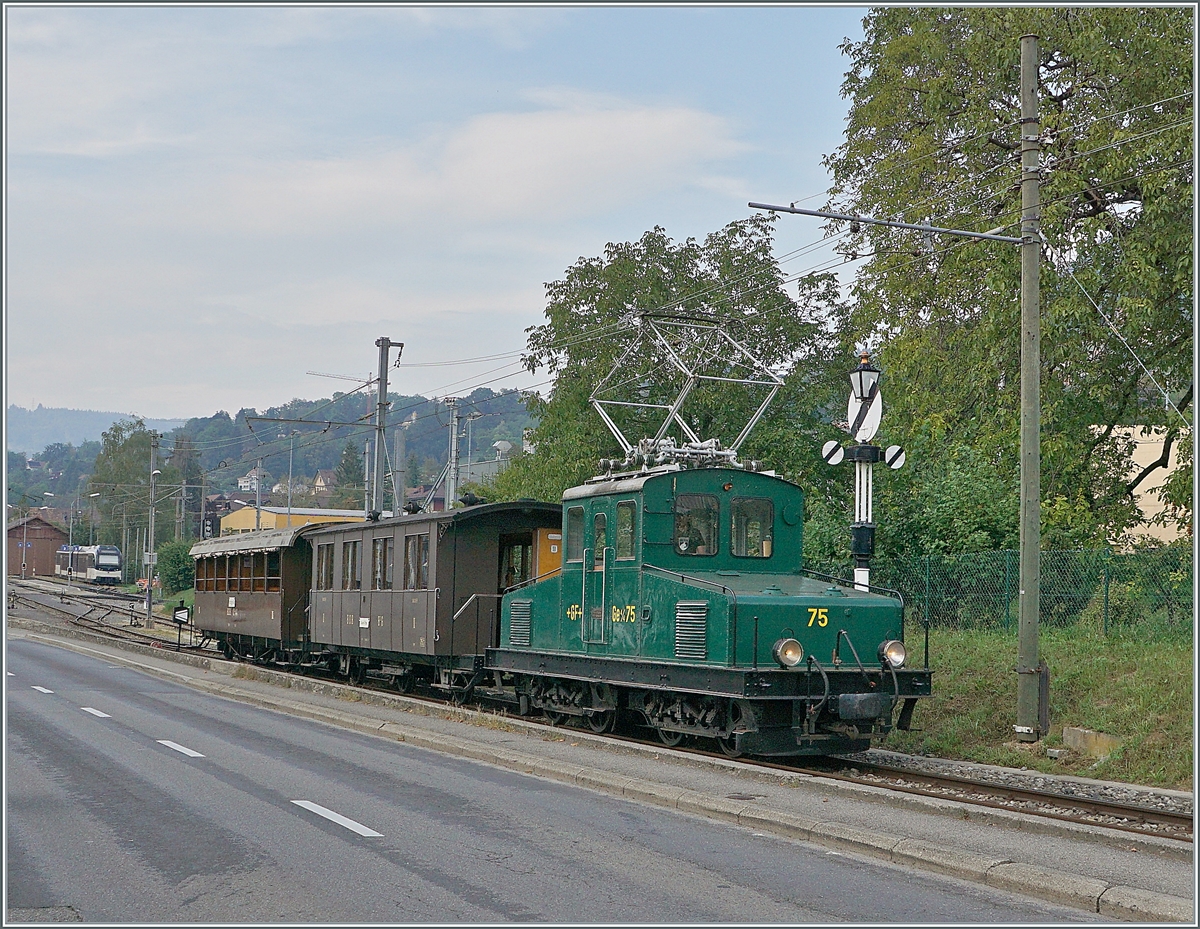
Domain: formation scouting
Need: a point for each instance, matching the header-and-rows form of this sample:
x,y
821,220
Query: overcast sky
x,y
204,204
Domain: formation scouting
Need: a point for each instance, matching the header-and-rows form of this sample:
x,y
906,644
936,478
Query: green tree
x,y
176,567
351,480
933,134
730,277
121,475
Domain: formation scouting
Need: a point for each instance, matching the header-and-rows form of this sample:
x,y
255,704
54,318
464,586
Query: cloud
x,y
545,166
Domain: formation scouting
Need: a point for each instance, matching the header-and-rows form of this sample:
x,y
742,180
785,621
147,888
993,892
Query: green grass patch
x,y
1137,688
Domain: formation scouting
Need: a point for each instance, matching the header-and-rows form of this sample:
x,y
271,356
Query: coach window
x,y
220,572
416,562
274,577
753,527
381,563
696,523
626,527
246,572
260,571
351,569
575,534
325,567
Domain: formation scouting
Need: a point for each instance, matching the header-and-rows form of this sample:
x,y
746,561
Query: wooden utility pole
x,y
1031,714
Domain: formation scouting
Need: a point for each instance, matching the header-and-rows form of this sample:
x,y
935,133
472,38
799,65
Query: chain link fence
x,y
1109,592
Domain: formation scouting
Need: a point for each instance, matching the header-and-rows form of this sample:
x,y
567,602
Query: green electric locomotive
x,y
682,602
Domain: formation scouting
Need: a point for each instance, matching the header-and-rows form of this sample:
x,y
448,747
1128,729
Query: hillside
x,y
31,431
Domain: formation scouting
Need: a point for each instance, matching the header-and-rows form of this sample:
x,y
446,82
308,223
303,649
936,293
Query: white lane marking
x,y
45,690
95,712
337,818
180,748
10,674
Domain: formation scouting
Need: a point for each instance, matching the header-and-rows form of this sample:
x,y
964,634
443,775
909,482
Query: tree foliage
x,y
176,567
121,476
592,315
933,134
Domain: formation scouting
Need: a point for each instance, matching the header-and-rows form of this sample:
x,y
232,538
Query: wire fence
x,y
1108,592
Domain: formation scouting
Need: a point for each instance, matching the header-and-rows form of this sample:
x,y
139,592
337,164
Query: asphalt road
x,y
133,799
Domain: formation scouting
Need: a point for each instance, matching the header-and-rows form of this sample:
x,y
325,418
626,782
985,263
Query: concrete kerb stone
x,y
1133,904
955,862
690,801
863,841
656,794
1057,886
1085,893
765,819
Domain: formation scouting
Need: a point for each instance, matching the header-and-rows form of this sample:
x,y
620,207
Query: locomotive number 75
x,y
821,616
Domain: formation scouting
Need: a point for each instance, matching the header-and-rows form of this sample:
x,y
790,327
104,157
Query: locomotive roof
x,y
461,514
261,540
635,481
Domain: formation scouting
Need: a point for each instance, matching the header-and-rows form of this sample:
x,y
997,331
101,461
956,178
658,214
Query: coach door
x,y
420,602
597,562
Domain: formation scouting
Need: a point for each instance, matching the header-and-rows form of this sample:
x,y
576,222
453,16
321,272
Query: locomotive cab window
x,y
696,522
575,534
626,527
753,534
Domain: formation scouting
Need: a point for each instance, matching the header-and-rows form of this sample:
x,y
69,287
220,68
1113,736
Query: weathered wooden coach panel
x,y
426,584
254,586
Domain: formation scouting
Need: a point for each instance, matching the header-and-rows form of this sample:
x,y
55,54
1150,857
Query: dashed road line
x,y
337,818
95,712
180,748
45,690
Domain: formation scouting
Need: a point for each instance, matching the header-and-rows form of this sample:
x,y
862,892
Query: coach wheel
x,y
668,738
602,722
404,683
358,673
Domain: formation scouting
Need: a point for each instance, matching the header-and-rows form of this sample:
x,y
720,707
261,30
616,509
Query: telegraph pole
x,y
400,473
151,555
452,462
378,472
1031,714
1033,680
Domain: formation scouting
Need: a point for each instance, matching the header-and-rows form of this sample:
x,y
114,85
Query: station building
x,y
34,540
276,517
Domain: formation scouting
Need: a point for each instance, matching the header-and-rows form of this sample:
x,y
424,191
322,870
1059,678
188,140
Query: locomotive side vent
x,y
691,629
519,622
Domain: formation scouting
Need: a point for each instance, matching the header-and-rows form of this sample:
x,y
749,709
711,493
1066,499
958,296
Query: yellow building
x,y
276,517
1148,448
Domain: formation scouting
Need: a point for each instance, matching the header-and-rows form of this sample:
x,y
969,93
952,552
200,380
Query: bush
x,y
176,567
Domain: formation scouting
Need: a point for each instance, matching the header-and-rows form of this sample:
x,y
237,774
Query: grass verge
x,y
1137,689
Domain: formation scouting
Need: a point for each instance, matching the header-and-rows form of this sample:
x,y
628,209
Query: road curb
x,y
1077,891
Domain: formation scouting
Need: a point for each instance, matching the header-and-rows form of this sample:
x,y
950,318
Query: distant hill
x,y
30,431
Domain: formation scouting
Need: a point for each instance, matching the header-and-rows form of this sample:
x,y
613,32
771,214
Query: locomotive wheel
x,y
669,739
555,719
729,746
602,722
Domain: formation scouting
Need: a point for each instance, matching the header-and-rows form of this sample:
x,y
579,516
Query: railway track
x,y
1003,793
101,608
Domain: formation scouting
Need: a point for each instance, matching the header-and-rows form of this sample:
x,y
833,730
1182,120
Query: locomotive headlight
x,y
893,653
787,652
